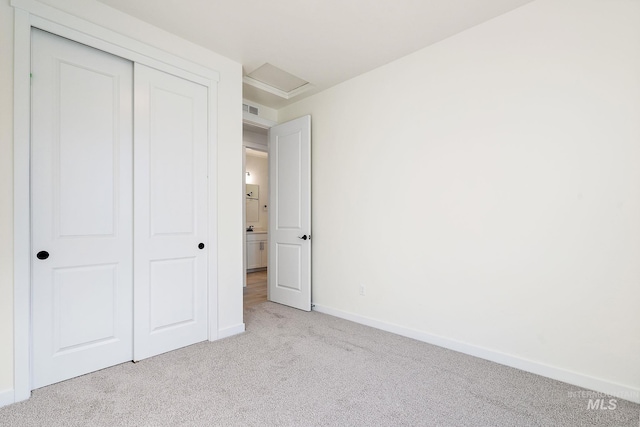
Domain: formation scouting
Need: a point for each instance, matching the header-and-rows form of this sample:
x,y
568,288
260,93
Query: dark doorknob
x,y
201,246
42,255
304,237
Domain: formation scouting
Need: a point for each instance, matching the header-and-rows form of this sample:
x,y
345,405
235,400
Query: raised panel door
x,y
170,215
81,191
290,217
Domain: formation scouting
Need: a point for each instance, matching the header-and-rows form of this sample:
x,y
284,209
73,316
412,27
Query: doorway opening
x,y
285,244
256,290
256,214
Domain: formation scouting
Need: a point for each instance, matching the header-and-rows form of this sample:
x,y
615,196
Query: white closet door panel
x,y
170,212
81,178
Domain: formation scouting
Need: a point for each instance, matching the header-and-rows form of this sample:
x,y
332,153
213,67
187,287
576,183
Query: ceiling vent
x,y
251,109
276,81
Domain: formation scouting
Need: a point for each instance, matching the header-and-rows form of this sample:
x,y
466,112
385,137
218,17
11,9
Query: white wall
x,y
258,166
229,152
486,191
251,138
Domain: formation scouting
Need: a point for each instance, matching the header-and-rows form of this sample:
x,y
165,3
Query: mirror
x,y
252,210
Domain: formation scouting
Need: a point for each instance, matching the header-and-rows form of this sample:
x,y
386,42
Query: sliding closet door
x,y
170,213
81,190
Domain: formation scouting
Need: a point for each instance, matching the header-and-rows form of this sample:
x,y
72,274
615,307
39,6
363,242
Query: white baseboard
x,y
574,378
230,331
7,397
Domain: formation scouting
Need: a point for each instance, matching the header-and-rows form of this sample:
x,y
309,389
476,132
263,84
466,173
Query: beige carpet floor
x,y
293,368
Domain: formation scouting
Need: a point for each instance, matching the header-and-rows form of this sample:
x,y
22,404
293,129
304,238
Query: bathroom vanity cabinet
x,y
257,247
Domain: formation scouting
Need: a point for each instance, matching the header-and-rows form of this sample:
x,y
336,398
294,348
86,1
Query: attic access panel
x,y
276,81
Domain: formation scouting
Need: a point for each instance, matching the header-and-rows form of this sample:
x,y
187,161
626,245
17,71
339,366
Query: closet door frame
x,y
28,14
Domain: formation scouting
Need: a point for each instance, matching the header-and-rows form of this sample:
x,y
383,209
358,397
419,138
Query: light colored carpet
x,y
293,368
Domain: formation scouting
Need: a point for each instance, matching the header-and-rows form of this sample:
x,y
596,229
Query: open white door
x,y
290,218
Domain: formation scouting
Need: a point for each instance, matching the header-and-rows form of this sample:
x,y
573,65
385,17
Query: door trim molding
x,y
21,207
257,121
28,14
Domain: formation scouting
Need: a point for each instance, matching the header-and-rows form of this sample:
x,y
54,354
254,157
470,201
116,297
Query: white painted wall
x,y
259,169
486,191
230,268
250,138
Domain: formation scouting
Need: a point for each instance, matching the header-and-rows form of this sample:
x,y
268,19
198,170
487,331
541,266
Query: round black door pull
x,y
304,237
201,246
42,255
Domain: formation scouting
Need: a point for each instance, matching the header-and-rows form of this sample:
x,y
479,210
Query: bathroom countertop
x,y
257,232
